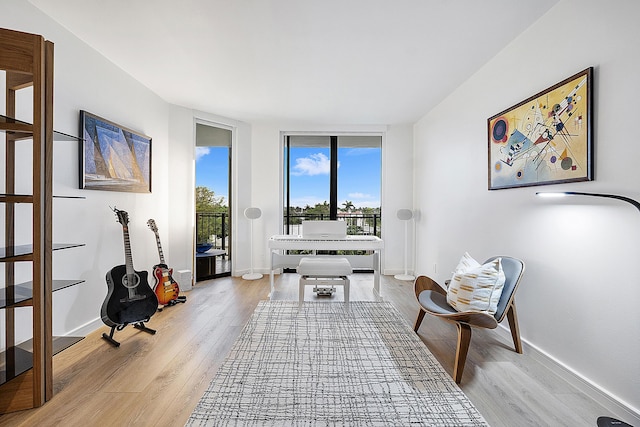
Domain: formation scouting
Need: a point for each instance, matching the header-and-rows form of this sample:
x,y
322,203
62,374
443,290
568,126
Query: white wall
x,y
579,296
86,80
397,193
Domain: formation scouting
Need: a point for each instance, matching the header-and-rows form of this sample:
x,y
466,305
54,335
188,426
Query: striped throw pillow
x,y
476,287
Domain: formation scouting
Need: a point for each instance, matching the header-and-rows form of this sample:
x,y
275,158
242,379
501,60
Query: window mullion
x,y
333,181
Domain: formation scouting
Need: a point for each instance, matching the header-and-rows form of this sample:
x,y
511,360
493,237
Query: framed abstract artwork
x,y
545,139
113,157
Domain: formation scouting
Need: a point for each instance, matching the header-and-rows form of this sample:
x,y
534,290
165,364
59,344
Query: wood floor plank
x,y
156,380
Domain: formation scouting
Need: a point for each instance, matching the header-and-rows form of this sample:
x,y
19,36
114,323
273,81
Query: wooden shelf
x,y
28,198
23,293
26,375
25,252
24,130
16,198
15,296
23,356
61,246
23,361
11,125
16,253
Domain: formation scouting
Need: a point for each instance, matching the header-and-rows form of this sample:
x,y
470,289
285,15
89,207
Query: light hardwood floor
x,y
156,380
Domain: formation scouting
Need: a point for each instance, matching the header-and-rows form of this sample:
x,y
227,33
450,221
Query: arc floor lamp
x,y
577,193
602,421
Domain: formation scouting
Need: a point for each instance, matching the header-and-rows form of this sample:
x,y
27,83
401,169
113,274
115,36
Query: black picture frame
x,y
113,157
545,139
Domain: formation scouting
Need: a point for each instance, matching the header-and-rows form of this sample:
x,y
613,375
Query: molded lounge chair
x,y
433,300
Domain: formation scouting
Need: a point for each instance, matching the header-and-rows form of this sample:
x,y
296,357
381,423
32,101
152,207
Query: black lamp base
x,y
611,422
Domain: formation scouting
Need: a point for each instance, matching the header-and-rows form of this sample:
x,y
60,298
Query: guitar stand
x,y
139,325
181,299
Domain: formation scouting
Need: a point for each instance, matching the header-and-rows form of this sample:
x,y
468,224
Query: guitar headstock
x,y
123,216
152,225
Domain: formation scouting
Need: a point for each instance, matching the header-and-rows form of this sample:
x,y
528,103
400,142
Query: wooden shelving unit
x,y
26,369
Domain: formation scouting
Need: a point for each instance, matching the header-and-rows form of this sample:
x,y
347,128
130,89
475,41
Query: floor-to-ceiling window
x,y
213,187
333,177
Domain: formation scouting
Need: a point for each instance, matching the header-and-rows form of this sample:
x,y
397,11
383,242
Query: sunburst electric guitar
x,y
166,288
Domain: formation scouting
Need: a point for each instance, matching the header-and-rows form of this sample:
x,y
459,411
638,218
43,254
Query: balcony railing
x,y
213,227
357,223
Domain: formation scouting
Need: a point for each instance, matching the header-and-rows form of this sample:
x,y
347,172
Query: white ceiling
x,y
324,61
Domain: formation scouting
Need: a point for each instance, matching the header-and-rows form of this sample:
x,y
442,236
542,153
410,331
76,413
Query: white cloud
x,y
201,152
359,196
315,164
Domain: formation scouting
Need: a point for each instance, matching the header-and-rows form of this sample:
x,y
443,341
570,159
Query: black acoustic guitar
x,y
130,299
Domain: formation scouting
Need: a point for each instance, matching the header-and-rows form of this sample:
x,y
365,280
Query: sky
x,y
212,170
359,177
359,174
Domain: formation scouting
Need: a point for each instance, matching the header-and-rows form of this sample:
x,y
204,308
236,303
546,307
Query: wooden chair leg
x,y
512,316
464,337
421,314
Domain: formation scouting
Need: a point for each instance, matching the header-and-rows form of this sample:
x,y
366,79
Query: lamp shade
x,y
578,193
252,213
404,214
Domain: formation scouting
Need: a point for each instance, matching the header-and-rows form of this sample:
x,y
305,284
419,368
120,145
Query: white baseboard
x,y
616,406
87,328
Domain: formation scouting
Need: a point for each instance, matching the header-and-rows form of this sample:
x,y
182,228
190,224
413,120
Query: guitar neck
x,y
128,260
159,248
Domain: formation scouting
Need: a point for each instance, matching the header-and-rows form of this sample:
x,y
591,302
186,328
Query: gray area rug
x,y
322,365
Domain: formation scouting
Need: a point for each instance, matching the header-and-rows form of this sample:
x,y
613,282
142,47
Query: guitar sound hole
x,y
125,281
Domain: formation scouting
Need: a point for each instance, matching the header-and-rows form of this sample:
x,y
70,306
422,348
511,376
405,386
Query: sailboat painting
x,y
113,157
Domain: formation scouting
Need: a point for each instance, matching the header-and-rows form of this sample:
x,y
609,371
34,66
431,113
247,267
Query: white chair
x,y
324,272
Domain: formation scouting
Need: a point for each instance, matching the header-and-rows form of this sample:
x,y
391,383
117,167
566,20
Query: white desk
x,y
278,244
